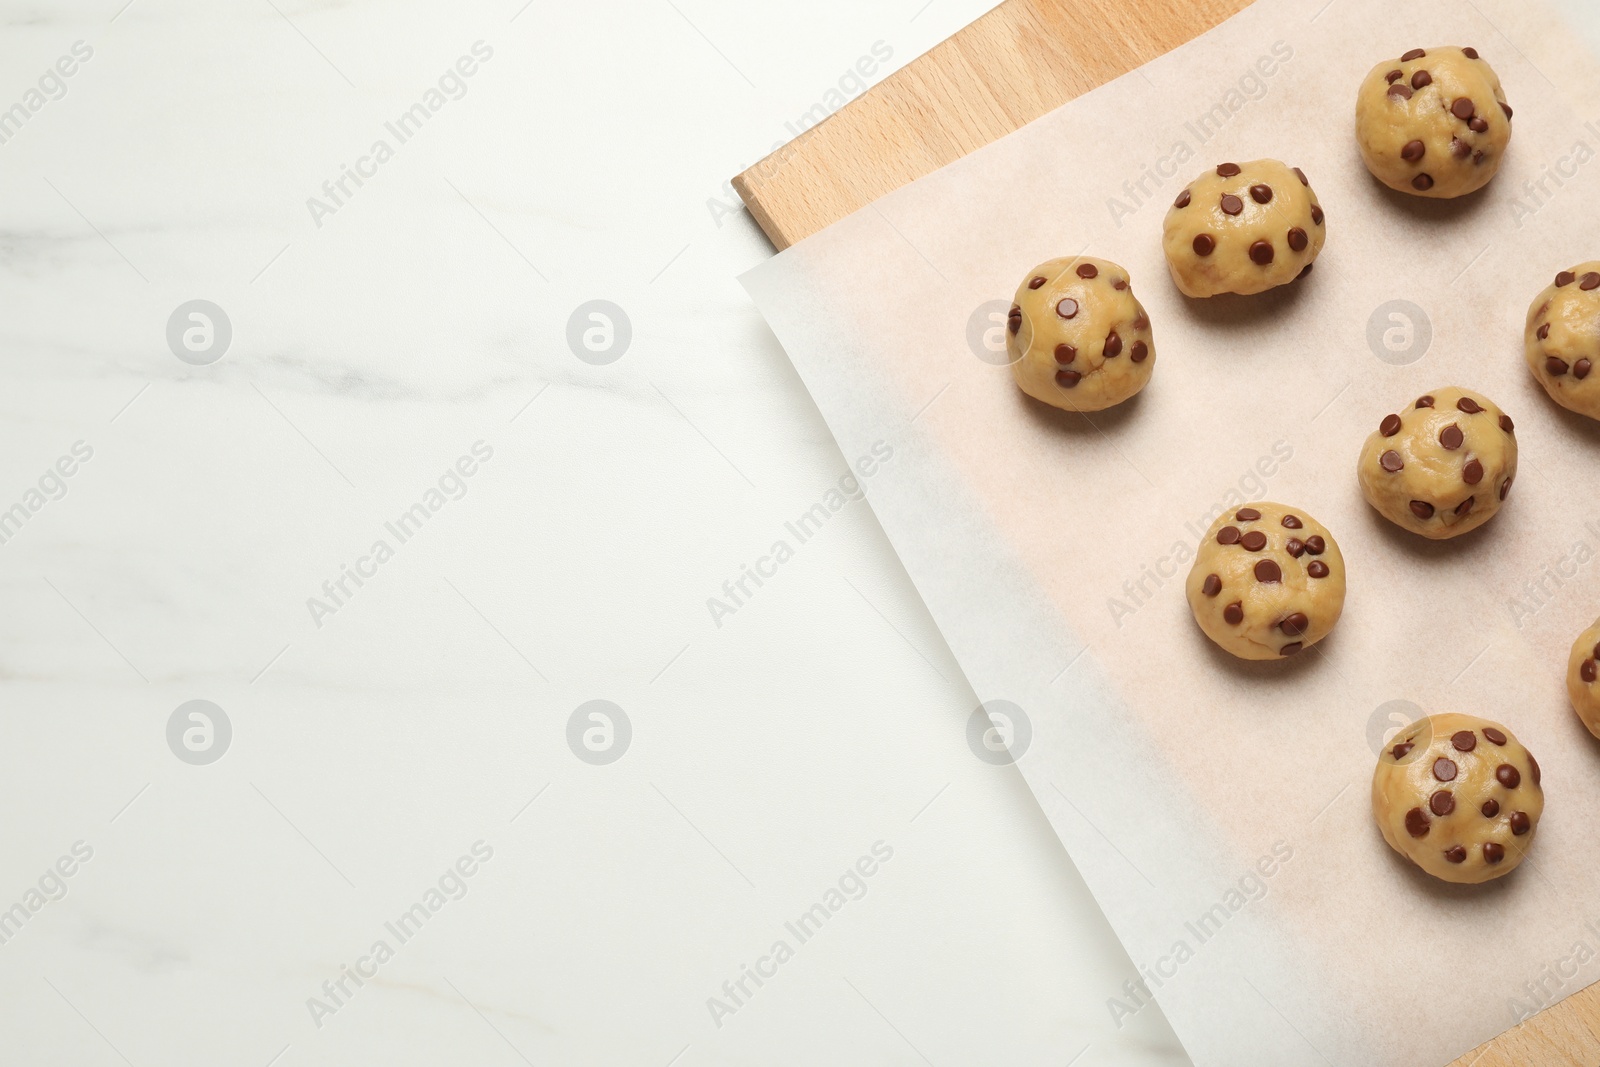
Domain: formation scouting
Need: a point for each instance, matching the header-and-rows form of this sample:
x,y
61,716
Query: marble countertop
x,y
400,664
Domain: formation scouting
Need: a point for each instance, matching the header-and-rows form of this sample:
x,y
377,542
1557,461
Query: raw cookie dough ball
x,y
1434,123
1441,467
1562,343
1458,796
1076,336
1268,580
1583,678
1243,228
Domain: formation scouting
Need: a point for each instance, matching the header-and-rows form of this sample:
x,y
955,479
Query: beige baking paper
x,y
1219,809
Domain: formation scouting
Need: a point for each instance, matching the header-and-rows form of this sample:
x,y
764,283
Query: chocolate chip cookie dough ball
x,y
1268,581
1077,337
1459,797
1243,228
1443,465
1562,343
1583,677
1434,122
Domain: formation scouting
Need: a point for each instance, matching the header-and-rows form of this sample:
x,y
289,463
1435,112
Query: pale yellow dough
x,y
1077,337
1459,796
1562,340
1583,678
1243,228
1268,581
1433,124
1413,476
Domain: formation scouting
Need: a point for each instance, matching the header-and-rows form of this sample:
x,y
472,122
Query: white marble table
x,y
370,505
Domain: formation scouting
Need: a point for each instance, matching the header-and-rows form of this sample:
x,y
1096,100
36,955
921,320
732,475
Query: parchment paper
x,y
1220,809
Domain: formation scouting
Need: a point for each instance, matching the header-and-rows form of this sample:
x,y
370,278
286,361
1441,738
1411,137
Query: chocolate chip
x,y
1399,751
1088,270
1261,194
1068,378
1267,571
1464,740
1254,541
1204,244
1228,535
1295,624
1212,585
1066,353
1478,124
1227,170
1422,509
1494,852
1261,252
1183,199
1463,108
1451,437
1317,569
1494,735
1424,401
1520,823
1506,424
1555,367
1589,281
1119,284
1587,671
1508,776
1232,204
1391,462
1304,272
1413,151
1543,331
1401,90
1442,803
1506,108
1298,173
1422,182
1417,824
1466,505
1444,769
1141,321
1415,53
1291,648
1298,239
1036,282
1456,854
1140,351
1581,369
1505,487
1490,808
1459,148
1566,277
1295,547
1067,308
1394,76
1470,53
1113,347
1472,473
1315,544
1389,426
1292,522
1247,514
1533,765
1420,79
1468,405
1233,614
1316,214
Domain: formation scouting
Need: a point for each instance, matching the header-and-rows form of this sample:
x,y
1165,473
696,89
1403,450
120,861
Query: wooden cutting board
x,y
1023,59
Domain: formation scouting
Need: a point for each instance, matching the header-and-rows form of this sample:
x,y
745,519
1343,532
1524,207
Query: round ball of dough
x,y
1458,796
1433,123
1077,337
1583,677
1243,228
1441,467
1562,342
1268,581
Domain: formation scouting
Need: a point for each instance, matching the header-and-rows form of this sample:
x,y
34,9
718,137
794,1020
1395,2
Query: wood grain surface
x,y
1023,59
